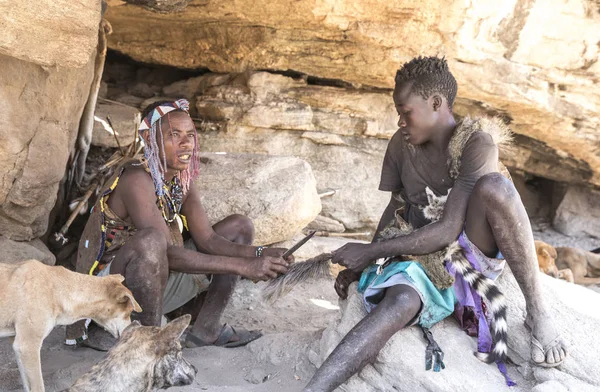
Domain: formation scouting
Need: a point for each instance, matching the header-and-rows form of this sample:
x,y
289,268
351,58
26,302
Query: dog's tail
x,y
314,268
487,289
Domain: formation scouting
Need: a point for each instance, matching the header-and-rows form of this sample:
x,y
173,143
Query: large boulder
x,y
50,33
47,54
278,193
505,58
401,366
14,252
579,213
323,223
38,129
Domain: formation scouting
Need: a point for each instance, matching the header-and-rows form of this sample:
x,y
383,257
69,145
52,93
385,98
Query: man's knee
x,y
496,189
149,248
236,228
405,298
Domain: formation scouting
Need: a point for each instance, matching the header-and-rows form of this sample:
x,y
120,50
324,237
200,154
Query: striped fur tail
x,y
317,267
487,289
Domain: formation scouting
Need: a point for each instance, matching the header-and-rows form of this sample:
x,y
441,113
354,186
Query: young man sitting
x,y
483,207
136,228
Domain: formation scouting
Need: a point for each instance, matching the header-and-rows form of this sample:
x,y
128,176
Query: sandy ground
x,y
276,362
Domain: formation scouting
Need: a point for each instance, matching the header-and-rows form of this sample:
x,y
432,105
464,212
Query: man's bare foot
x,y
547,347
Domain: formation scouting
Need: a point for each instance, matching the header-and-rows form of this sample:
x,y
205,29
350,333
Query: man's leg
x,y
362,344
144,264
496,218
238,229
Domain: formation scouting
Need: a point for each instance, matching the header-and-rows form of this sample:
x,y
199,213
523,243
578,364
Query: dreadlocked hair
x,y
155,155
429,75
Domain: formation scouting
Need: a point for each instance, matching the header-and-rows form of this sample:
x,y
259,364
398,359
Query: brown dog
x,y
34,298
585,265
547,255
143,360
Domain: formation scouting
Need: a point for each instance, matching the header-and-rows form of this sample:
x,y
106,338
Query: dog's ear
x,y
547,254
125,297
129,329
116,277
175,328
552,252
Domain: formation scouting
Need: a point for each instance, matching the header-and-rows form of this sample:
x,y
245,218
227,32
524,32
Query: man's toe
x,y
537,355
562,354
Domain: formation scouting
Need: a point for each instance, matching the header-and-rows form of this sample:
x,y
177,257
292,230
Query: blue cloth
x,y
437,304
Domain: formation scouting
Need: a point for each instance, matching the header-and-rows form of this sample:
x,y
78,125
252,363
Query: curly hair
x,y
429,75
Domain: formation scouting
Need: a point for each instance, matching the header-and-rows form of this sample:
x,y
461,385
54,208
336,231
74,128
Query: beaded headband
x,y
159,111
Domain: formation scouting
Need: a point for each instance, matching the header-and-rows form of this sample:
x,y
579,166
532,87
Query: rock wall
x,y
341,133
535,63
50,33
43,88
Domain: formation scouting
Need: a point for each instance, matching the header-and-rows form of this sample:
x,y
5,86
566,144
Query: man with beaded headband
x,y
137,225
483,211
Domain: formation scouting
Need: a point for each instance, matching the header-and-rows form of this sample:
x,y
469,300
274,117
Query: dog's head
x,y
172,369
546,255
160,346
117,305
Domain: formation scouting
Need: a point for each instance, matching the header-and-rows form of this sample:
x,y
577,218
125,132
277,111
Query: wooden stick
x,y
86,123
345,234
114,132
112,101
60,236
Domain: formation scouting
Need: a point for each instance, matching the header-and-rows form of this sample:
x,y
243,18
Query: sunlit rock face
x,y
47,52
535,63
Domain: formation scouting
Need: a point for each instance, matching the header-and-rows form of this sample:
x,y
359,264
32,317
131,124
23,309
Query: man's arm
x,y
480,157
427,239
256,268
203,234
388,214
432,237
347,276
136,193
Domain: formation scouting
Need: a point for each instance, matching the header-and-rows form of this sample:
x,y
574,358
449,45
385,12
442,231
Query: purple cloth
x,y
466,297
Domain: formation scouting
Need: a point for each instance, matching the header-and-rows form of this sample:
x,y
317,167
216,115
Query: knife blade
x,y
294,248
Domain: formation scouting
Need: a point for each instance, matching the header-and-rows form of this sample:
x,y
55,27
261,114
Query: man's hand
x,y
343,280
353,256
277,252
265,268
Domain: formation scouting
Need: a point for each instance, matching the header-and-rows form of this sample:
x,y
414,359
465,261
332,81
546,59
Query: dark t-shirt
x,y
407,170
